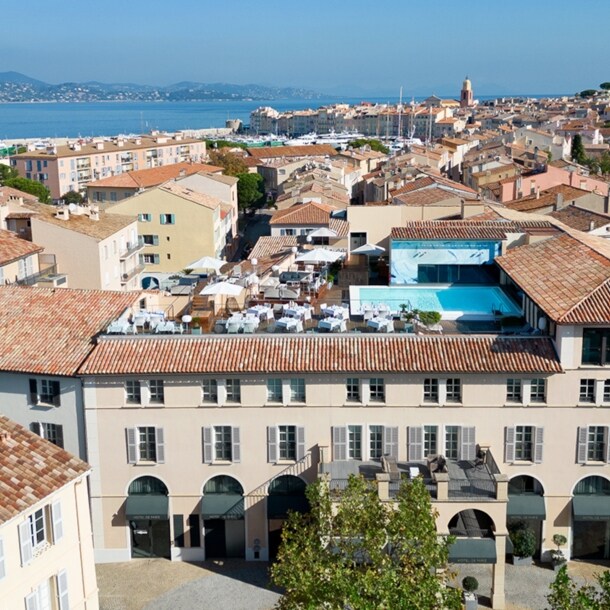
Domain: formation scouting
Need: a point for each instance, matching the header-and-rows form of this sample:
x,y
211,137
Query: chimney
x,y
592,226
182,173
99,145
559,201
537,192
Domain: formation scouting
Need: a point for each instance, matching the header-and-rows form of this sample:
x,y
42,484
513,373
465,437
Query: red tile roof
x,y
459,229
13,247
310,213
49,331
580,218
312,150
320,354
269,247
31,469
547,197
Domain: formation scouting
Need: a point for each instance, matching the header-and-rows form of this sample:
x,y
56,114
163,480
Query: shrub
x,y
429,317
470,584
523,539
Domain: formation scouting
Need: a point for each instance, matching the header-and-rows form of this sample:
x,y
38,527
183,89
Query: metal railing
x,y
480,489
131,248
125,277
30,280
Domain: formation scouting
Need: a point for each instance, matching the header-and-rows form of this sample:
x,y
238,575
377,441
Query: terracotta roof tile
x,y
268,246
455,229
312,150
31,469
546,198
428,196
310,213
320,354
580,219
49,331
13,247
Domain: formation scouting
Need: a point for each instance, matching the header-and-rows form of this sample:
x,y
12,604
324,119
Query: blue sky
x,y
336,46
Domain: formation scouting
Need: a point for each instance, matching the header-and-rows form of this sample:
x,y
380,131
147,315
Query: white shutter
x,y
208,454
25,542
390,442
236,448
467,443
160,445
539,437
62,590
509,444
339,443
583,437
2,568
31,601
300,442
132,453
607,444
415,436
272,444
58,525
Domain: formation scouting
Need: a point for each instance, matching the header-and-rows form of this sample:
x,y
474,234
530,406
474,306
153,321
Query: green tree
x,y
7,172
374,144
567,595
230,162
578,150
362,554
212,144
250,191
30,186
72,197
605,86
588,93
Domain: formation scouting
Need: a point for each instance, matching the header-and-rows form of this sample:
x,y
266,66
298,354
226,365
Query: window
x,y
431,390
430,440
353,389
452,442
375,442
454,390
150,259
538,390
50,593
167,219
377,389
150,240
223,443
145,444
596,346
133,394
513,390
593,444
274,390
39,530
587,390
45,392
297,390
209,389
524,443
607,390
145,217
287,444
52,432
157,394
233,387
354,442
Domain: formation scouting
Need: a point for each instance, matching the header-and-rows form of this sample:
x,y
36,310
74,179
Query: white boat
x,y
338,140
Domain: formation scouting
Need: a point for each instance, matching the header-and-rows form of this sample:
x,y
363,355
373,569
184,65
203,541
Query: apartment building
x,y
18,258
46,550
72,166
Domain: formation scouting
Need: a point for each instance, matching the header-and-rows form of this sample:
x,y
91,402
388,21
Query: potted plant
x,y
524,543
558,559
196,326
470,584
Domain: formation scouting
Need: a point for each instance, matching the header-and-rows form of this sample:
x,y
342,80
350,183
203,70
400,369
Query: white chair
x,y
323,306
298,327
249,327
389,327
233,327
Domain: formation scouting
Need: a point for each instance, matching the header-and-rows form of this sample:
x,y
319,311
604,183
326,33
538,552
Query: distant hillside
x,y
16,87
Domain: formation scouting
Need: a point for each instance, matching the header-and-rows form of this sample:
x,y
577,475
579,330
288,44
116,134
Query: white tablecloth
x,y
262,312
291,324
381,324
333,324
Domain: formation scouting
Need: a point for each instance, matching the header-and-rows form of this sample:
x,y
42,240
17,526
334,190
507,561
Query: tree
x,y
72,197
605,86
7,172
30,186
212,144
230,162
250,191
578,150
588,93
567,595
374,144
361,553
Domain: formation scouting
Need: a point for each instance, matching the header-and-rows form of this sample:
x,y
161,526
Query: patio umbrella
x,y
369,250
323,232
318,255
207,262
225,288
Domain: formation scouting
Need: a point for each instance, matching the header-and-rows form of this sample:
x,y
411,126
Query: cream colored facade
x,y
19,269
60,572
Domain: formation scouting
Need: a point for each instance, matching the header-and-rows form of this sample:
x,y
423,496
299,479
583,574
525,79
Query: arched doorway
x,y
147,513
525,504
591,523
222,510
286,493
475,540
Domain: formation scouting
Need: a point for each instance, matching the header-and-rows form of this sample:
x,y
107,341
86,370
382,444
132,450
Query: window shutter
x,y
62,590
59,434
236,448
172,219
415,436
157,259
155,240
607,444
56,393
25,543
160,445
583,433
509,444
2,568
179,531
36,428
208,454
33,392
468,445
272,444
339,443
58,524
300,442
31,601
539,437
132,453
162,218
390,442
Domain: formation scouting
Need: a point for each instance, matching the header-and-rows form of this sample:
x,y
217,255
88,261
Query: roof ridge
x,y
588,296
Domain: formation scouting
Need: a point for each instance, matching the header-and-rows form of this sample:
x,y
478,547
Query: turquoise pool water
x,y
453,302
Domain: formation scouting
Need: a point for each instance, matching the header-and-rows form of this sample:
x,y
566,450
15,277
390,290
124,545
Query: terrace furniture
x,y
336,311
381,324
298,311
233,326
250,326
263,312
120,327
413,472
286,323
389,465
333,324
168,328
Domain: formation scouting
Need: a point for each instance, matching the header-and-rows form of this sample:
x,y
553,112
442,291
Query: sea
x,y
20,121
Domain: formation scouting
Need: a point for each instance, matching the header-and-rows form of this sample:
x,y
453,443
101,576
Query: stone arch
x,y
147,484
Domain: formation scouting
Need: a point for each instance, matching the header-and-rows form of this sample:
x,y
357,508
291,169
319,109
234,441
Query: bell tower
x,y
466,94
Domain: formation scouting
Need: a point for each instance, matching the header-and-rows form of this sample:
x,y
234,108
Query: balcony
x,y
125,277
33,279
131,249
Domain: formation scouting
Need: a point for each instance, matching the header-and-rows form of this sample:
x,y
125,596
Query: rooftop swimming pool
x,y
451,301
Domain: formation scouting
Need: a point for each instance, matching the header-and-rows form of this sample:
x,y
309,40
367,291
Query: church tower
x,y
466,94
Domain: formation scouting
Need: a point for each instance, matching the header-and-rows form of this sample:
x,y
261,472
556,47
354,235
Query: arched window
x,y
593,485
147,485
223,484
